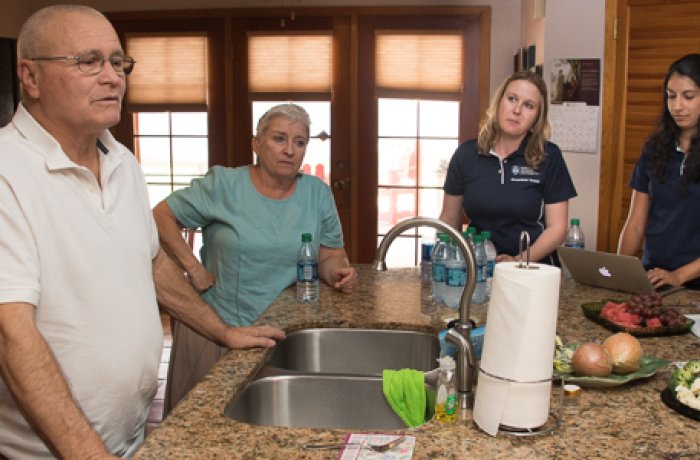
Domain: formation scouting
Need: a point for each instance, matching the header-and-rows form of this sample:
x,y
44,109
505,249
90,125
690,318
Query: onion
x,y
591,359
625,352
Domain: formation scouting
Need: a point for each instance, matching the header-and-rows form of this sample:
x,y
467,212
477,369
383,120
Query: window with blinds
x,y
419,63
167,93
290,63
295,67
418,84
170,72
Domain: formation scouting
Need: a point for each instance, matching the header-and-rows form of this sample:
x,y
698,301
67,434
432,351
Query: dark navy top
x,y
672,234
507,196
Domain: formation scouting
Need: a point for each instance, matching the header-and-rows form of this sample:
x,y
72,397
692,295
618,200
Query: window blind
x,y
170,72
299,63
425,62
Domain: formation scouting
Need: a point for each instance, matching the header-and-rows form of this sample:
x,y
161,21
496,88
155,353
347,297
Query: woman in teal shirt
x,y
252,219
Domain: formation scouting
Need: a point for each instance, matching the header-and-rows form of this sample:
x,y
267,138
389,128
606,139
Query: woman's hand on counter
x,y
335,270
343,279
252,336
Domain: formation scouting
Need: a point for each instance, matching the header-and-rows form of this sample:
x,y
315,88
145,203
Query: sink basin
x,y
319,401
355,351
332,378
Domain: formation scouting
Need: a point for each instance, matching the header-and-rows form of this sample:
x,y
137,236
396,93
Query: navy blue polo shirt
x,y
672,234
508,196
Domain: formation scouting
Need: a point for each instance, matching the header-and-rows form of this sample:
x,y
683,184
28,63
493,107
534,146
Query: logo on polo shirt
x,y
524,174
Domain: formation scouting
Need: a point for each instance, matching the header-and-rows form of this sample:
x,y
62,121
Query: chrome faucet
x,y
459,335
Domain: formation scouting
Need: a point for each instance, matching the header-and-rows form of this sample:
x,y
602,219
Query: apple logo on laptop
x,y
604,271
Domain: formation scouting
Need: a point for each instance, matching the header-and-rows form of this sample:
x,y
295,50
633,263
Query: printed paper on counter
x,y
403,451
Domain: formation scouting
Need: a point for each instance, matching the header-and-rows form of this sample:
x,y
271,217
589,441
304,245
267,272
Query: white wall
x,y
533,27
576,29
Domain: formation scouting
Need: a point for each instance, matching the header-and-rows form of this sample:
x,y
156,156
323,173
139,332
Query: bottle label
x,y
426,251
574,244
490,266
456,276
438,272
307,271
451,404
482,273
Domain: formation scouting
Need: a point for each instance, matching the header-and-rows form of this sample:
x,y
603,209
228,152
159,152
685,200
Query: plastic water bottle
x,y
446,397
455,277
426,261
440,253
307,271
479,295
491,254
469,234
575,237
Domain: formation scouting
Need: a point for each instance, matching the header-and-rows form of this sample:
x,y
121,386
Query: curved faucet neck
x,y
380,264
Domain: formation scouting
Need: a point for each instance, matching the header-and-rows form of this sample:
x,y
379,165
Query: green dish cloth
x,y
404,390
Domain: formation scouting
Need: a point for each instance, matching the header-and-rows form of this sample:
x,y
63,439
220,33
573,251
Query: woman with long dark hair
x,y
664,212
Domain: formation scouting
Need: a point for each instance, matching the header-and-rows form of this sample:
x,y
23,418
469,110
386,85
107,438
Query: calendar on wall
x,y
575,99
574,126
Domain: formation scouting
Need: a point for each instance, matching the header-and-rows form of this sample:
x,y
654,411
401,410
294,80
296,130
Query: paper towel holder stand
x,y
553,422
524,248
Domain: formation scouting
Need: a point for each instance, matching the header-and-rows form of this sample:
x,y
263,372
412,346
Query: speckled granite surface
x,y
622,422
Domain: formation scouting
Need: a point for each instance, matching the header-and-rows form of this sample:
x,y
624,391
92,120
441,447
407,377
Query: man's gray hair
x,y
291,112
31,41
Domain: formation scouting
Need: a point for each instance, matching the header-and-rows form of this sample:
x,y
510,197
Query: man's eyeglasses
x,y
92,62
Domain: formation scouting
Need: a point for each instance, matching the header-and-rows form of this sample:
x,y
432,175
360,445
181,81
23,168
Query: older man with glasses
x,y
82,272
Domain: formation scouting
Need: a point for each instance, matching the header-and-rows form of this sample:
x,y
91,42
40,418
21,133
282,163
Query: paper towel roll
x,y
518,347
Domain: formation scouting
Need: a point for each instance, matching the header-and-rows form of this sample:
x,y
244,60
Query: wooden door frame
x,y
613,113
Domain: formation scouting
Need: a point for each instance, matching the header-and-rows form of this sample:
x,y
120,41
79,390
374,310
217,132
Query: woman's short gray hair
x,y
291,112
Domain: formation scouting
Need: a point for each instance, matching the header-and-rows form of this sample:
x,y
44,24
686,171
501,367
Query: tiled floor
x,y
156,414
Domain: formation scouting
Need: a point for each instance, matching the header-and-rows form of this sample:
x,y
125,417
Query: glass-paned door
x,y
172,148
416,141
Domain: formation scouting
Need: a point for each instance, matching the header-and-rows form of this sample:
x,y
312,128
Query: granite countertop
x,y
629,421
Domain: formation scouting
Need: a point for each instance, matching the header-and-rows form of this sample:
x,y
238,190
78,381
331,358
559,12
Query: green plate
x,y
592,311
648,366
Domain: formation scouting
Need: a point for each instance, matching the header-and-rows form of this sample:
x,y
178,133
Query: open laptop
x,y
609,271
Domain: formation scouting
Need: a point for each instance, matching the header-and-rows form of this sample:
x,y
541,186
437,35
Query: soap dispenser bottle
x,y
446,398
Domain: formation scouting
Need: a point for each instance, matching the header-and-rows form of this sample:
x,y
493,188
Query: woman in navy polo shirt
x,y
511,178
665,207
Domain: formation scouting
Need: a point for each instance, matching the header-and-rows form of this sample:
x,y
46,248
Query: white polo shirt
x,y
82,255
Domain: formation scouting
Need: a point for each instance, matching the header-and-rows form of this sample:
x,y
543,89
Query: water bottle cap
x,y
306,238
478,238
575,221
443,237
486,234
471,231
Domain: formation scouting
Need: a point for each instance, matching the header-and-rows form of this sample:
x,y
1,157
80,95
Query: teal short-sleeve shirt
x,y
250,241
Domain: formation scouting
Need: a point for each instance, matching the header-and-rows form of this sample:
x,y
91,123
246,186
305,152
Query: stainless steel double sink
x,y
332,378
